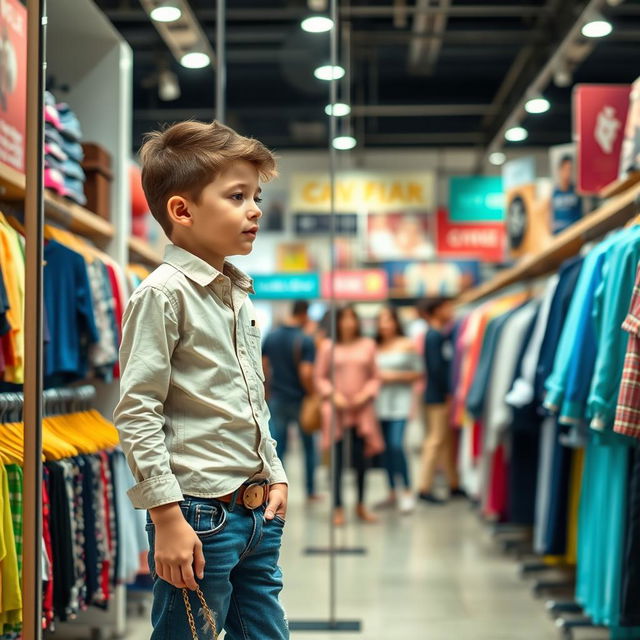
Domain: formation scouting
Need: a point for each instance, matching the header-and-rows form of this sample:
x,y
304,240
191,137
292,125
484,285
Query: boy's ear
x,y
178,211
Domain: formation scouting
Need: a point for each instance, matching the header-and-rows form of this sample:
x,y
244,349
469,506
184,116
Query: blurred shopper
x,y
288,355
400,368
438,354
356,386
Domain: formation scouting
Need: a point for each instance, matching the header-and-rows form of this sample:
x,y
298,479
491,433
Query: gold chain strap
x,y
205,610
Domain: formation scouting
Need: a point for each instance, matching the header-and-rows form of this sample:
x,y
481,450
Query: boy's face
x,y
224,221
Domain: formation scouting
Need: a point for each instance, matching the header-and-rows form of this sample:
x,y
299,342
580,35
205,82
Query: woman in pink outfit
x,y
356,386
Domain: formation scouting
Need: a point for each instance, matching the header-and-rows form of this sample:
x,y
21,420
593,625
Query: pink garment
x,y
355,372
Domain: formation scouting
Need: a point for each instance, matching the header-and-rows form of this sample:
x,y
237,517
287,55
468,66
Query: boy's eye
x,y
238,196
258,200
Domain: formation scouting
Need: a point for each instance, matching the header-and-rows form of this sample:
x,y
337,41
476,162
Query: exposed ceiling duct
x,y
184,35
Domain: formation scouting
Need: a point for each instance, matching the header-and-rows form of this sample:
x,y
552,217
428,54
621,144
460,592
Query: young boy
x,y
192,416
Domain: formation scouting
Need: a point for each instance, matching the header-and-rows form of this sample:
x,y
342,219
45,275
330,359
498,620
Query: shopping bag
x,y
311,413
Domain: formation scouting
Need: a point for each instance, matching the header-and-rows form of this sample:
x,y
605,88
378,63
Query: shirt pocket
x,y
254,349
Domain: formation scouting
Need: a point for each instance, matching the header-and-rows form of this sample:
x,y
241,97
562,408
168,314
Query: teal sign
x,y
287,286
476,199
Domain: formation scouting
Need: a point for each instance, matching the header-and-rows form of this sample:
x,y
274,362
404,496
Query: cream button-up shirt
x,y
192,414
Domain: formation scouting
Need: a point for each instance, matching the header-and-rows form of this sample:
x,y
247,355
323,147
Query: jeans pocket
x,y
279,520
206,518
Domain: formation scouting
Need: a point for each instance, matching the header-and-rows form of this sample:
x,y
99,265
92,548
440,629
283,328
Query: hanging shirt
x,y
568,276
10,593
556,384
611,307
628,411
68,305
13,274
567,208
523,390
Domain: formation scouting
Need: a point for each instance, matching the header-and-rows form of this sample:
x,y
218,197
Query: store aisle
x,y
436,575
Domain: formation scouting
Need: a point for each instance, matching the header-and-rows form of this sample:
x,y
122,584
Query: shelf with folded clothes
x,y
614,213
57,208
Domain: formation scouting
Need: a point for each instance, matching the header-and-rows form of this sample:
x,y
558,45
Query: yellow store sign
x,y
356,192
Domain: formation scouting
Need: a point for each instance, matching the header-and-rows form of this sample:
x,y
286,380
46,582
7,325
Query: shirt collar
x,y
202,272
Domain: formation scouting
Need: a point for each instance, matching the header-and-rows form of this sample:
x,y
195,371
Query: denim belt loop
x,y
234,500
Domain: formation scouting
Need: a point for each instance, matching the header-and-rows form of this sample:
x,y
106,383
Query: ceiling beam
x,y
513,109
422,23
435,45
278,14
420,110
530,59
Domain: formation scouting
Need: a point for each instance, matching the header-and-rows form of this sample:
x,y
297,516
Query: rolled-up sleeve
x,y
277,474
149,337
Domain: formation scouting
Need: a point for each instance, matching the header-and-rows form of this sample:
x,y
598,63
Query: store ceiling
x,y
465,72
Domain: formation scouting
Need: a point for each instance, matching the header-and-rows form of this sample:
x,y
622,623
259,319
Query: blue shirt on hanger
x,y
69,312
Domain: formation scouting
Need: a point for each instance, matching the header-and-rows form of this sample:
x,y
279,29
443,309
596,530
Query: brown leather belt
x,y
251,495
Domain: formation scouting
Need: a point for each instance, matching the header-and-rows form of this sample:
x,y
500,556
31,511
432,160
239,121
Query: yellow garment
x,y
12,265
10,594
70,241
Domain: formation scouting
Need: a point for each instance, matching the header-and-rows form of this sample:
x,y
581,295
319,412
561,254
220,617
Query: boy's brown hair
x,y
185,157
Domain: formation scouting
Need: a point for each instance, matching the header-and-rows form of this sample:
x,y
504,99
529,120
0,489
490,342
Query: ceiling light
x,y
339,110
195,60
329,72
168,86
497,158
597,29
344,143
317,24
537,105
166,12
516,134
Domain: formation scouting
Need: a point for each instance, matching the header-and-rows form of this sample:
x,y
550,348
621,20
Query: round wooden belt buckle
x,y
253,496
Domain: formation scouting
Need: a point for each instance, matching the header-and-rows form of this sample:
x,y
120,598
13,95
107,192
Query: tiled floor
x,y
435,575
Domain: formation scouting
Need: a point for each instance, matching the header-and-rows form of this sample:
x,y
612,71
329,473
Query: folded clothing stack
x,y
63,152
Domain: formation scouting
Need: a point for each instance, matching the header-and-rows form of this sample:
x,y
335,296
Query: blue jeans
x,y
242,580
395,458
283,413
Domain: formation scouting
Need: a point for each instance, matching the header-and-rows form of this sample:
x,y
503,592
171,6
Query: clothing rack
x,y
54,400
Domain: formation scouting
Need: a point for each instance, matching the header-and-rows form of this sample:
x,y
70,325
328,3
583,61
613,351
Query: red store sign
x,y
599,118
480,241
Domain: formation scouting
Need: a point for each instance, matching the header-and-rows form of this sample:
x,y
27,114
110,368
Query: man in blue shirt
x,y
438,444
288,355
566,203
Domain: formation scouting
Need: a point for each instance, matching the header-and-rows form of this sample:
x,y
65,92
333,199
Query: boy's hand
x,y
278,497
178,550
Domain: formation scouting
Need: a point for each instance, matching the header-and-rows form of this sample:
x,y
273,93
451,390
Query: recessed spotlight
x,y
166,12
497,158
516,134
537,105
339,110
597,29
344,143
195,60
317,24
329,72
